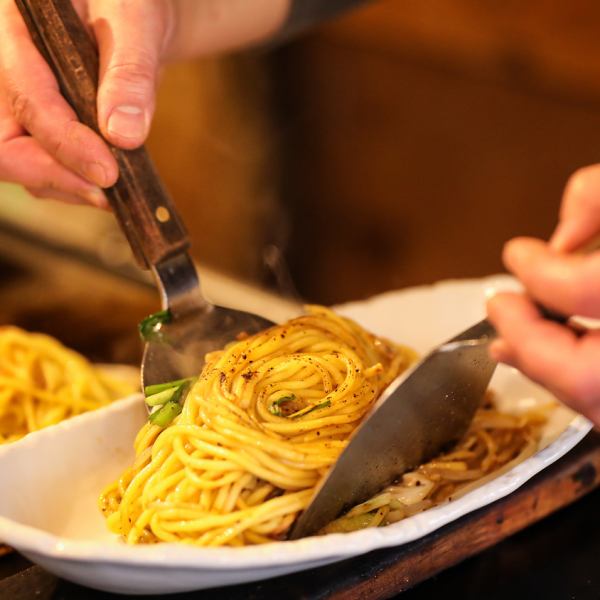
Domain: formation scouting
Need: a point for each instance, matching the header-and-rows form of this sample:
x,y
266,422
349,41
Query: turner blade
x,y
422,412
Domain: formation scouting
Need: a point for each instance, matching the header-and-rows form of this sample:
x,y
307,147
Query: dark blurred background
x,y
400,144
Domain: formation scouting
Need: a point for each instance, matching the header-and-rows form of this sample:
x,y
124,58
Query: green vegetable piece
x,y
150,327
346,524
274,407
325,404
161,397
171,407
307,410
283,399
163,416
150,390
181,392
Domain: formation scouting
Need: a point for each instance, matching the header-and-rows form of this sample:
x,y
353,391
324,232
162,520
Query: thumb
x,y
131,37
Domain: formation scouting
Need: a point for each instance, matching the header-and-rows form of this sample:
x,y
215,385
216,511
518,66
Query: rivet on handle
x,y
162,214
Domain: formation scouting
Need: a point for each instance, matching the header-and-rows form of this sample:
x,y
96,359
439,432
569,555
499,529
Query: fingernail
x,y
96,197
127,121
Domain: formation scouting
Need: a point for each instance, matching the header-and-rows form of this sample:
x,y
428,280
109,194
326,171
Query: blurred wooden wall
x,y
400,144
422,135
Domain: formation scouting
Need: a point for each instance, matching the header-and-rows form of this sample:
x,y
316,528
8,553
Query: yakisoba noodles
x,y
263,423
494,441
265,420
42,383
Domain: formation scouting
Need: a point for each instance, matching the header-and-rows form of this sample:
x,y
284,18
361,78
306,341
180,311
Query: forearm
x,y
203,27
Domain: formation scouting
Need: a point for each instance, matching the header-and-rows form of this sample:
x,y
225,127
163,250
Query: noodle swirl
x,y
265,420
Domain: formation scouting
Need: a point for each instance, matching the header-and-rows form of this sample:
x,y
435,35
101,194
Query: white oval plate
x,y
50,481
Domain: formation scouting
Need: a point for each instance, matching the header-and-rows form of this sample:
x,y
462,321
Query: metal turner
x,y
189,326
427,408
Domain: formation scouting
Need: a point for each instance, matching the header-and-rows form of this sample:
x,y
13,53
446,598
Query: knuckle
x,y
65,139
48,183
22,108
135,76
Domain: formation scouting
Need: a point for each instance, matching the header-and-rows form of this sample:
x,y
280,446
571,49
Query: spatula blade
x,y
425,410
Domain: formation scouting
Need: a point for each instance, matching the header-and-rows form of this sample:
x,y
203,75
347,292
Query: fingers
x,y
131,38
563,282
547,352
529,341
37,105
580,211
53,194
24,161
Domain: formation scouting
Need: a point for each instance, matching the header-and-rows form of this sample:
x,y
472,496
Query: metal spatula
x,y
143,208
427,408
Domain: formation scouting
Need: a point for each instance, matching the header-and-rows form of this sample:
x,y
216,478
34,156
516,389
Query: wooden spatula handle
x,y
142,206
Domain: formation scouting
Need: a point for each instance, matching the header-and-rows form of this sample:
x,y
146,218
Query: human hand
x,y
42,144
554,275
